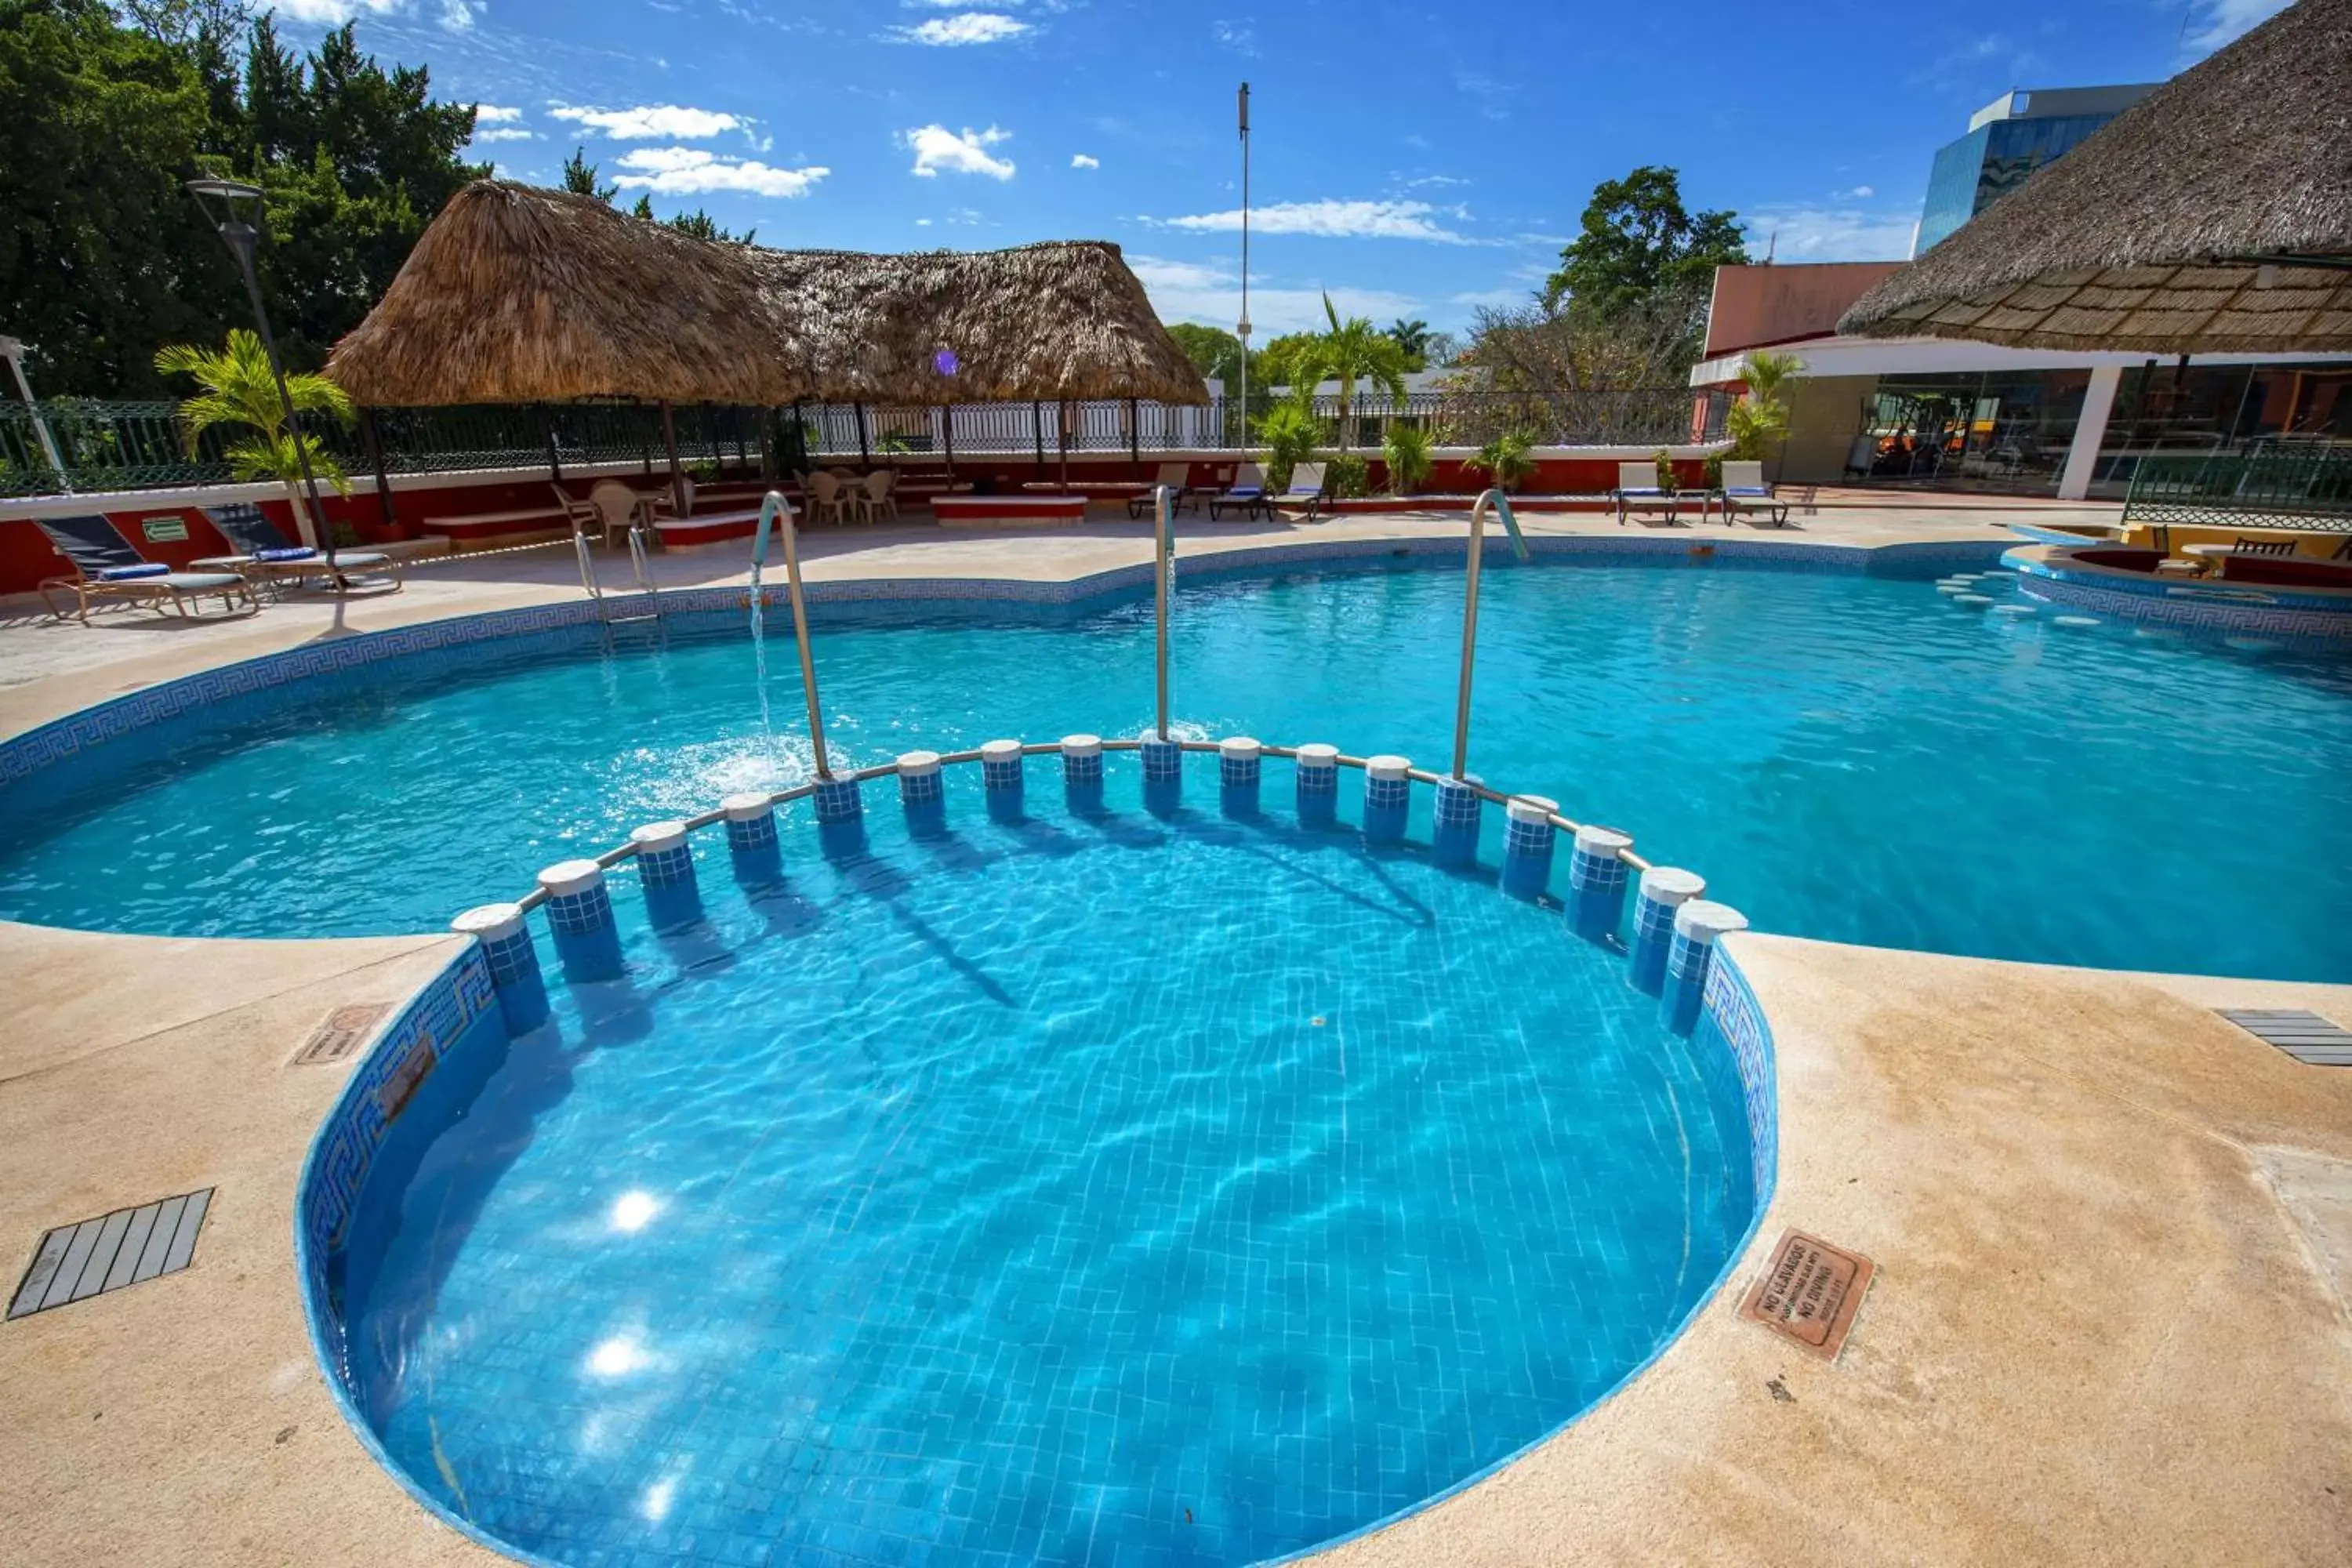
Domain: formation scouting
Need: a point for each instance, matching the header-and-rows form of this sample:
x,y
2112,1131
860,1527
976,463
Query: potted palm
x,y
1411,452
240,389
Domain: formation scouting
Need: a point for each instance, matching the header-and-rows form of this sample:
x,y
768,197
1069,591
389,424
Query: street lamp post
x,y
1242,329
228,203
13,353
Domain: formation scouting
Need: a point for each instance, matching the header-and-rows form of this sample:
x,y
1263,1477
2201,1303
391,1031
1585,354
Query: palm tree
x,y
239,389
1761,420
1356,348
1411,336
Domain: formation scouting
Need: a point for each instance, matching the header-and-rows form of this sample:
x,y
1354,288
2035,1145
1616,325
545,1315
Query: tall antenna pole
x,y
1242,331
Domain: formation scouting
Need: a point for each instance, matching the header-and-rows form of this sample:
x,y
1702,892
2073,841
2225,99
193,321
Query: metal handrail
x,y
587,569
1497,500
775,510
1163,533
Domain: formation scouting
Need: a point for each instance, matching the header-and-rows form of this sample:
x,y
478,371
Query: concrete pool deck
x,y
2112,1321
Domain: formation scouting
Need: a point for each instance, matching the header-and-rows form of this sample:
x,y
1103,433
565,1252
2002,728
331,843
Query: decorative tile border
x,y
1731,1008
2278,612
438,1020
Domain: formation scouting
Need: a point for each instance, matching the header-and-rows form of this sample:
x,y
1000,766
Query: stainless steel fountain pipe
x,y
775,509
1163,501
1496,501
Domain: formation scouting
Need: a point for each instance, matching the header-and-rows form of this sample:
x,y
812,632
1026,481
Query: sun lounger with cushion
x,y
1177,477
1744,490
1248,491
1306,490
107,568
1638,491
266,555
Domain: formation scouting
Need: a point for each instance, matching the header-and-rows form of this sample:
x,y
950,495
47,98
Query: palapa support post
x,y
947,433
1135,437
865,455
1062,410
669,444
1037,432
375,441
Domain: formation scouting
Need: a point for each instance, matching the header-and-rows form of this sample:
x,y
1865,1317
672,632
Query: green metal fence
x,y
2300,484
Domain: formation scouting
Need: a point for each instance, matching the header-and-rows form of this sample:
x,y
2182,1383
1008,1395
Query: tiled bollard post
x,y
580,914
921,793
1163,773
1527,835
1240,764
837,798
1664,889
751,838
1318,785
1081,773
1454,836
1000,779
1388,796
1698,925
666,873
513,962
1596,882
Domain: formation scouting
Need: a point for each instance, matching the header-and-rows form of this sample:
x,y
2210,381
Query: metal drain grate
x,y
2305,1037
75,1262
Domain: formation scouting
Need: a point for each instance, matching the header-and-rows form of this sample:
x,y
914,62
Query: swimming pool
x,y
1080,1185
1844,755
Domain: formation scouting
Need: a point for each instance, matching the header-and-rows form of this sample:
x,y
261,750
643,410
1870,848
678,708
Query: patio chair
x,y
1638,491
881,497
1248,491
1177,477
107,568
1744,490
824,498
578,511
1306,490
266,555
618,508
2244,546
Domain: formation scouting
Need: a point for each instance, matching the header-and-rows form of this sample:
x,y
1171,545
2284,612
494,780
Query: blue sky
x,y
1413,160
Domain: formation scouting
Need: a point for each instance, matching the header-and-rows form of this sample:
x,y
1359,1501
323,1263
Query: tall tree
x,y
104,257
1412,337
1638,239
579,179
1214,352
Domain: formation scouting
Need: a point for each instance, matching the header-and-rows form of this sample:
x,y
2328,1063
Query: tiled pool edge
x,y
27,752
2212,606
457,1011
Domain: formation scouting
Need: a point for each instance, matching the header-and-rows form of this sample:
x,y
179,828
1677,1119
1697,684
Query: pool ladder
x,y
638,567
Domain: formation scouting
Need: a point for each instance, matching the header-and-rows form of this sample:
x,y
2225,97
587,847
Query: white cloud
x,y
2223,20
506,134
1332,219
649,122
335,13
1239,37
495,114
1080,160
936,147
457,16
1829,233
1210,294
686,171
972,28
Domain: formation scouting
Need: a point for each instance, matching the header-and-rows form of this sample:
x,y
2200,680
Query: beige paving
x,y
2113,1233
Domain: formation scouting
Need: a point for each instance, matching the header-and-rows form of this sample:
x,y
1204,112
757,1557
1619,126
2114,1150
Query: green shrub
x,y
1411,451
1289,434
1348,475
1714,470
1508,458
1665,464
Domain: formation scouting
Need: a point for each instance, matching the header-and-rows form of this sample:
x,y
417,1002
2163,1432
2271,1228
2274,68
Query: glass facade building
x,y
2008,140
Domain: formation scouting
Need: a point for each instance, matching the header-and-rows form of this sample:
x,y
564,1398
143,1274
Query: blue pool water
x,y
1844,756
1096,1187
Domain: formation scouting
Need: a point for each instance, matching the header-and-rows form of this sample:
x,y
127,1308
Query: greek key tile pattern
x,y
2287,617
1734,1014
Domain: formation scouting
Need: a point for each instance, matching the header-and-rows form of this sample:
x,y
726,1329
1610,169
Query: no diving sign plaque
x,y
1809,1292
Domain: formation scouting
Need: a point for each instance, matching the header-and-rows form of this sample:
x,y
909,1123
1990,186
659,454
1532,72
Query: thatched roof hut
x,y
519,295
2212,216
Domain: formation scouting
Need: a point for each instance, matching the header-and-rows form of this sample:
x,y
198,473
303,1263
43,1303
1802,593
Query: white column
x,y
2083,456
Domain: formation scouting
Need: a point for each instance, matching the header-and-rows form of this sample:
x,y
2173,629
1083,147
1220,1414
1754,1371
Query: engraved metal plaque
x,y
1809,1292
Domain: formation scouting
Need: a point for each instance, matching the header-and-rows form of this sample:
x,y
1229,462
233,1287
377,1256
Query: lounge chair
x,y
1744,490
1306,490
107,568
1638,491
1177,477
266,555
1248,491
2242,545
2343,550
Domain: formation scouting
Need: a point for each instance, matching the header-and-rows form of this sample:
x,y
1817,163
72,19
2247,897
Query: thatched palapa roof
x,y
2177,228
519,295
